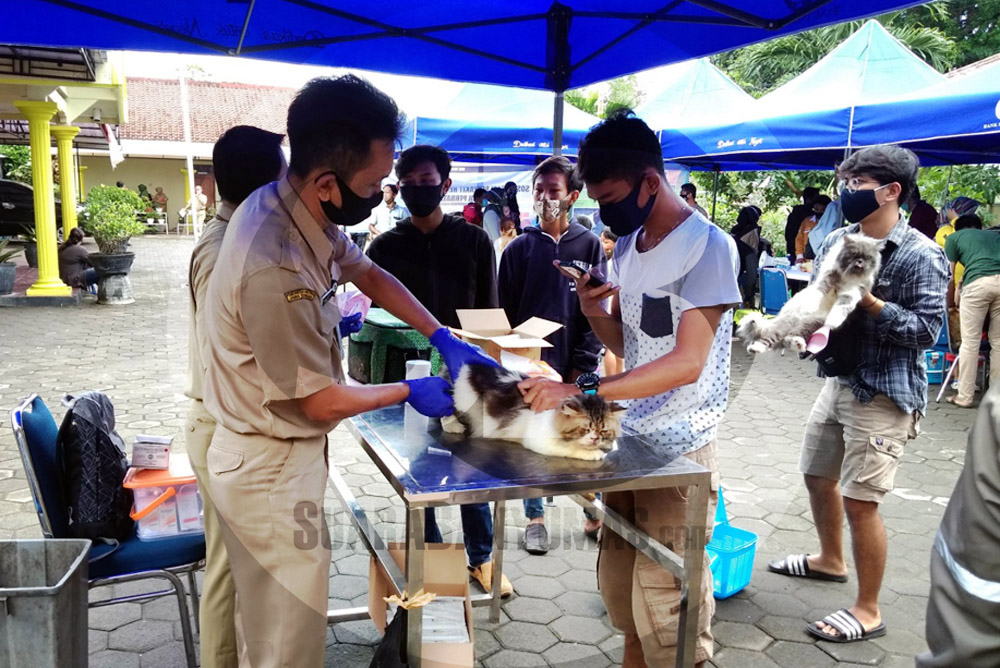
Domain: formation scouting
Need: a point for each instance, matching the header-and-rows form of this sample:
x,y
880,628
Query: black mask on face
x,y
859,204
353,208
421,200
625,217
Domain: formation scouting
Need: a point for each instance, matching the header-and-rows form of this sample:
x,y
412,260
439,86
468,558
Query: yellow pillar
x,y
187,186
83,190
64,135
39,114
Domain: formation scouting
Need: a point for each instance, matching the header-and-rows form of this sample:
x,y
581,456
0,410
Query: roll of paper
x,y
414,423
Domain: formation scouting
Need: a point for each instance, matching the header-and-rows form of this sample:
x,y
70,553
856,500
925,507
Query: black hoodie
x,y
530,286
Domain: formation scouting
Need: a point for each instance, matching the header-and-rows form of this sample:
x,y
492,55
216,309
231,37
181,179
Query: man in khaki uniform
x,y
244,159
274,380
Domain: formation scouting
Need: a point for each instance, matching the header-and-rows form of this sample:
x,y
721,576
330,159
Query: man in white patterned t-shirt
x,y
671,292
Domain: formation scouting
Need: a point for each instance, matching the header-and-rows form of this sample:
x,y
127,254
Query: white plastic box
x,y
167,502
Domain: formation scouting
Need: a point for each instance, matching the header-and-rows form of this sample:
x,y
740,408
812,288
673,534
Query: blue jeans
x,y
533,508
477,527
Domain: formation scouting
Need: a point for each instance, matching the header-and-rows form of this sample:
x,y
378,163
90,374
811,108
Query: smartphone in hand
x,y
570,270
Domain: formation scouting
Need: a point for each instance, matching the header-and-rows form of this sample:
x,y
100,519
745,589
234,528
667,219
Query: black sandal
x,y
848,628
797,566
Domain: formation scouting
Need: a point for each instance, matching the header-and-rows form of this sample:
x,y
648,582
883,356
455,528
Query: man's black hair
x,y
822,199
606,232
885,163
559,164
332,122
690,188
621,146
969,221
120,184
915,195
417,155
245,158
393,187
809,194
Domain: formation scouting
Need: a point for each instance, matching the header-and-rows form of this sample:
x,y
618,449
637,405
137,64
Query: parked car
x,y
17,208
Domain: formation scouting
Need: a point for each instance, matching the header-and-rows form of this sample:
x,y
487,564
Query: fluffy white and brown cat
x,y
847,273
489,405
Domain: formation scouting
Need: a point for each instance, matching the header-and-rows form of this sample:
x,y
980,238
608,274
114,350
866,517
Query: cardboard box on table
x,y
489,329
445,574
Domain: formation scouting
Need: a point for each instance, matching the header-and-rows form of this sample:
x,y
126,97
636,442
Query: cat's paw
x,y
796,343
452,425
590,456
758,347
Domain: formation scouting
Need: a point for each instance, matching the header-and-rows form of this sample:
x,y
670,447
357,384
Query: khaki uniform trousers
x,y
980,300
219,643
268,493
642,597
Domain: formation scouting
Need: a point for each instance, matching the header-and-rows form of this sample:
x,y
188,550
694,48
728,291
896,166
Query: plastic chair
x,y
35,432
773,290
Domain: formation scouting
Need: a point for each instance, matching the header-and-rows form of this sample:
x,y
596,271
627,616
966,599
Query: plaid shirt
x,y
912,284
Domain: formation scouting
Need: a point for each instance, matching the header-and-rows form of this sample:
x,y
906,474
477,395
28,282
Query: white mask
x,y
550,209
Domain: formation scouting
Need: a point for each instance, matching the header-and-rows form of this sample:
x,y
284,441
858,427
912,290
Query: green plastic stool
x,y
379,352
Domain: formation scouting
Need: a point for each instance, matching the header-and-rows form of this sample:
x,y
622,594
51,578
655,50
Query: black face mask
x,y
421,200
353,208
625,217
859,204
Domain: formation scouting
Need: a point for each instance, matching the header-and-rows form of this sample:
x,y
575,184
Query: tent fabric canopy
x,y
809,122
955,122
514,124
529,43
693,93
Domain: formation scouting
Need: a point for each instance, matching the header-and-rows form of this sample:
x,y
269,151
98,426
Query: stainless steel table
x,y
432,468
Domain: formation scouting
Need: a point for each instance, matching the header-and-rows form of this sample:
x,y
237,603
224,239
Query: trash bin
x,y
43,603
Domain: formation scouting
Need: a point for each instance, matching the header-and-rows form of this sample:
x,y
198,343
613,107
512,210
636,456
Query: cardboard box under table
x,y
430,468
445,574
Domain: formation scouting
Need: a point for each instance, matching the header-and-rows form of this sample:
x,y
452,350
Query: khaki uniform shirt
x,y
203,259
271,315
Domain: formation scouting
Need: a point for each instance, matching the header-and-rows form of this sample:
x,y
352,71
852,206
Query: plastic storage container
x,y
166,502
935,366
731,552
43,603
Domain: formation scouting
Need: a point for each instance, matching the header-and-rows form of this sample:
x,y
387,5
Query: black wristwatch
x,y
588,383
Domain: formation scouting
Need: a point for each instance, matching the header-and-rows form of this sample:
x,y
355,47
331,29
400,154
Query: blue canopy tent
x,y
484,123
528,44
809,122
692,93
956,122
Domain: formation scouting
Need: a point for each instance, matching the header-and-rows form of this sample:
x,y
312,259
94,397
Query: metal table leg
x,y
499,511
694,555
414,581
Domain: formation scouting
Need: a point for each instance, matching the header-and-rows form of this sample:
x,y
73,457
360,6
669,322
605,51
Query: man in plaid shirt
x,y
861,420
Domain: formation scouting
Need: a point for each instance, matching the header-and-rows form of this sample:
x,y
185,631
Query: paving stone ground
x,y
137,354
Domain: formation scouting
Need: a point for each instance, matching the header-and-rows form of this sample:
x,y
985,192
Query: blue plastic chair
x,y
35,431
773,290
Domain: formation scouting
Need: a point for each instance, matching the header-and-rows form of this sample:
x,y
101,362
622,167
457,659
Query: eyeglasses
x,y
854,184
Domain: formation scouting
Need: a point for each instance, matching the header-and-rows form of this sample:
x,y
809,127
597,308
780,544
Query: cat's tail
x,y
751,327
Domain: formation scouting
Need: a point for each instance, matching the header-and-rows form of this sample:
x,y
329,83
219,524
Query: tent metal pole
x,y
557,124
947,188
715,192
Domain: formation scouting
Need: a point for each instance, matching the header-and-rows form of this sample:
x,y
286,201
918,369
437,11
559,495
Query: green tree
x,y
975,29
603,100
16,163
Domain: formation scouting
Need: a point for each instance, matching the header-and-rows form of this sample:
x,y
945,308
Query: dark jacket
x,y
451,268
530,286
923,219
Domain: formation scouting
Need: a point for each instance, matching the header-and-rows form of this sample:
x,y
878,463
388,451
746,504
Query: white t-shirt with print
x,y
695,266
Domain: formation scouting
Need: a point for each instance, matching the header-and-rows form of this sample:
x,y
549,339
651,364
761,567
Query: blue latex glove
x,y
431,396
350,325
456,352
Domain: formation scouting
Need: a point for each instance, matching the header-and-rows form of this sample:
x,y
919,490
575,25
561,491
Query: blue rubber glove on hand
x,y
431,396
350,325
455,352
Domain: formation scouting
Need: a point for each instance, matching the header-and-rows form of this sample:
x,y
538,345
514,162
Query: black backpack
x,y
92,462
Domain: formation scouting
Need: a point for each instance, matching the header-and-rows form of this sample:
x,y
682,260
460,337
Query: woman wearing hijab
x,y
746,232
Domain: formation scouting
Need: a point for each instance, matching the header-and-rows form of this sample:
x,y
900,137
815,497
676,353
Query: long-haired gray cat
x,y
847,273
489,405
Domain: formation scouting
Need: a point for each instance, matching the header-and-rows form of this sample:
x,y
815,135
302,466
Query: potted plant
x,y
30,246
111,220
8,270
